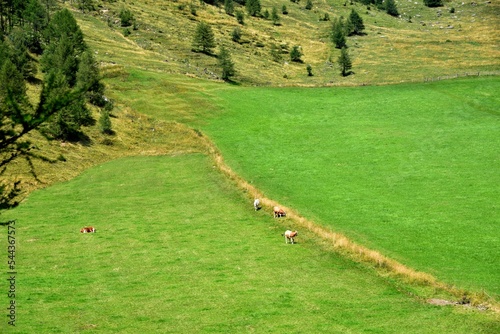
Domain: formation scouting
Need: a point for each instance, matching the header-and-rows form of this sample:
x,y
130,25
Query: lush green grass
x,y
410,170
179,250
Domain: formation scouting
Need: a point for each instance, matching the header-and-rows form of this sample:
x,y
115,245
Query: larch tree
x,y
204,39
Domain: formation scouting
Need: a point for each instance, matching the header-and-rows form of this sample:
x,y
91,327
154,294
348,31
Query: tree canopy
x,y
70,79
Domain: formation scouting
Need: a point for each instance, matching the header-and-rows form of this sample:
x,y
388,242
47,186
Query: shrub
x,y
433,3
309,70
126,17
105,123
295,54
236,34
240,17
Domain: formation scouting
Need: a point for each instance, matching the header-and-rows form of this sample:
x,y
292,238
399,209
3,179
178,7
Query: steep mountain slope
x,y
422,42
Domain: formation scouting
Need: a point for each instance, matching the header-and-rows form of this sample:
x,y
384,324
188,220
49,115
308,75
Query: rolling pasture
x,y
409,170
178,249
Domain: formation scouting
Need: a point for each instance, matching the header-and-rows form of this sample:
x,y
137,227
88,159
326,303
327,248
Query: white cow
x,y
256,204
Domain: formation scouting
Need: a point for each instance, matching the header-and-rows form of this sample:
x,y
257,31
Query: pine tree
x,y
356,23
236,35
35,21
240,17
391,8
226,63
344,62
63,23
84,5
105,123
275,17
88,79
204,39
126,17
309,70
20,55
13,87
253,7
229,7
61,55
295,54
433,3
338,33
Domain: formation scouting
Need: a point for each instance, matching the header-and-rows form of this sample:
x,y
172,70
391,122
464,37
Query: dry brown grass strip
x,y
340,243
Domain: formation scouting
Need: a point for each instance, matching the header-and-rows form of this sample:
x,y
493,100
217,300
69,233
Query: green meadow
x,y
178,249
409,170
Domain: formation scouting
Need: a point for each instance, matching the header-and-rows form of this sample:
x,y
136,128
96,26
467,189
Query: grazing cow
x,y
256,204
89,229
290,235
279,212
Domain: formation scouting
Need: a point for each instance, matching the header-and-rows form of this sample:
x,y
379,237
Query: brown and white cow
x,y
88,229
279,212
290,235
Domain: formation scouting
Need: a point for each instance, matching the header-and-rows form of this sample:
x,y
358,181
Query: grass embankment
x,y
179,249
407,170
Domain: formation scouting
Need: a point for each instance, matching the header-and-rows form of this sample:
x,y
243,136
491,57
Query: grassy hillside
x,y
406,169
422,43
178,249
161,93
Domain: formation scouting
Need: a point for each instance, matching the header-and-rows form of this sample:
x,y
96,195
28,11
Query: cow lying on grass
x,y
279,212
290,235
89,229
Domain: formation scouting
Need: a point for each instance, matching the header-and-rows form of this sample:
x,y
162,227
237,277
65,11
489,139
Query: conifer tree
x,y
226,63
253,7
204,40
88,77
105,123
391,8
344,62
356,23
433,3
296,54
13,87
63,23
338,33
35,21
229,7
275,17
